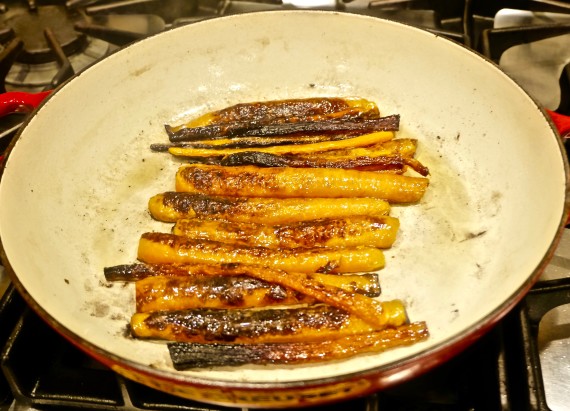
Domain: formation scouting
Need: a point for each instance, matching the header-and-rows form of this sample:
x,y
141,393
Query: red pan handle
x,y
20,102
561,122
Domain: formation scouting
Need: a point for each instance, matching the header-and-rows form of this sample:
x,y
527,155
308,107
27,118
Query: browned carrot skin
x,y
290,110
160,293
138,271
395,164
312,323
253,129
206,291
417,166
366,284
287,182
172,206
193,355
325,232
259,159
170,248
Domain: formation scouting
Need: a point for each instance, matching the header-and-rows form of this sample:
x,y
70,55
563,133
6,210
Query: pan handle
x,y
561,122
20,102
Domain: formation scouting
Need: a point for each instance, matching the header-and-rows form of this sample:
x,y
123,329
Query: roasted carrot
x,y
267,129
392,164
303,324
194,355
289,110
366,284
170,248
161,293
172,206
389,163
286,182
326,232
158,293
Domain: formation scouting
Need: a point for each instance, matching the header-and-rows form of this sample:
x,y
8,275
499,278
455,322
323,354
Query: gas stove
x,y
522,364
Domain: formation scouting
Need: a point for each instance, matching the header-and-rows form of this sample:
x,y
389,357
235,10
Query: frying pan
x,y
76,183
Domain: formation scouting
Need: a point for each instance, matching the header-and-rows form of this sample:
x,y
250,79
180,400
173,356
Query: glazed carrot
x,y
158,293
161,293
288,110
194,355
365,284
172,206
286,182
170,248
326,232
268,129
304,324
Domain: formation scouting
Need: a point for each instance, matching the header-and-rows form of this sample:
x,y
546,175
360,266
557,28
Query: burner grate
x,y
11,306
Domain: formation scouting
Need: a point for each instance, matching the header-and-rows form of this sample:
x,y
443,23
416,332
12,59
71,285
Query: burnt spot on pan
x,y
118,317
106,284
495,203
127,333
140,71
264,41
480,271
473,235
454,312
99,309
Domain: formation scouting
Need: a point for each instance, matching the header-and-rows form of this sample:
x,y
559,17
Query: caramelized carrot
x,y
194,355
313,323
325,232
286,182
170,248
172,206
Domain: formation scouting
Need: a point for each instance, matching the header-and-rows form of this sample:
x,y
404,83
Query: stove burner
x,y
56,39
30,24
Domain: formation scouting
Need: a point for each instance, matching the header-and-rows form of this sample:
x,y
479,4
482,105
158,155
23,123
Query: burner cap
x,y
29,25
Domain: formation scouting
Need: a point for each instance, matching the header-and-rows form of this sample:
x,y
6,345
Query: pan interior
x,y
74,192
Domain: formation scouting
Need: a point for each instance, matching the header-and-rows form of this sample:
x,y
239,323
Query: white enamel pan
x,y
75,186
